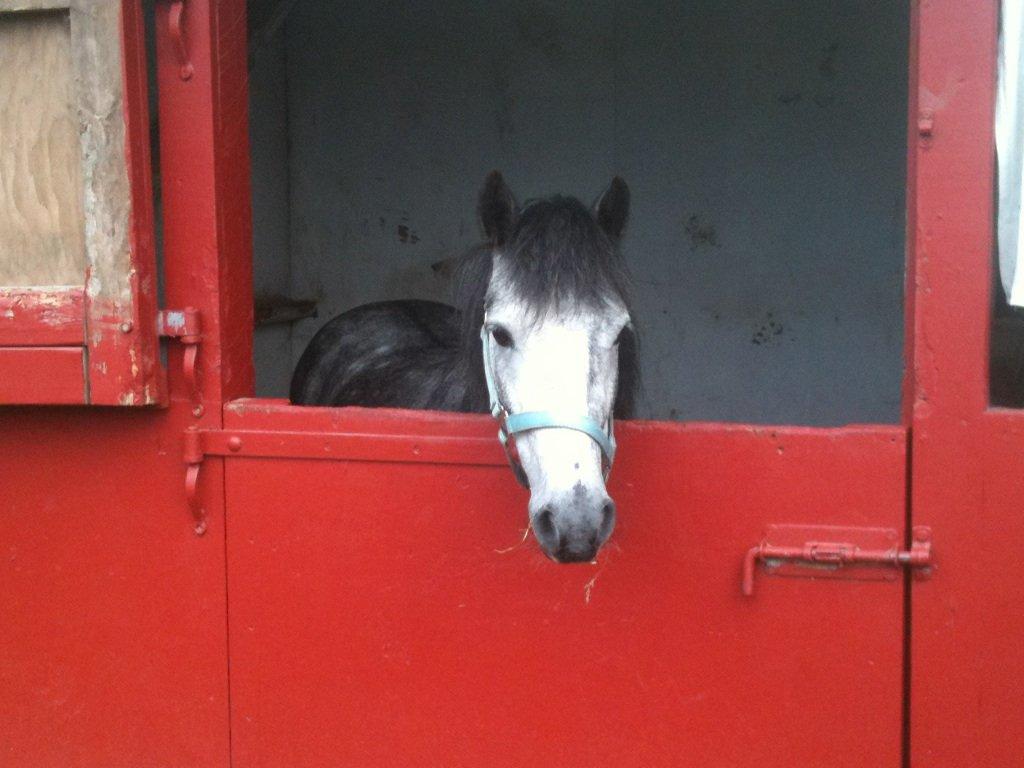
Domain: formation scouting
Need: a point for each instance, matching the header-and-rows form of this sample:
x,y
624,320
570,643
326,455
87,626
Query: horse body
x,y
391,354
548,297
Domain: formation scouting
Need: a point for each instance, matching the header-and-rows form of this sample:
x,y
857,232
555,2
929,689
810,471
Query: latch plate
x,y
836,552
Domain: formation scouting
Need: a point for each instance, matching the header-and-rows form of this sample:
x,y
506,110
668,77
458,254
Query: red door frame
x,y
113,649
967,684
947,310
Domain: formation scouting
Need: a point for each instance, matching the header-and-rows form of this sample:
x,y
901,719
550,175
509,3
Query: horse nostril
x,y
607,522
545,529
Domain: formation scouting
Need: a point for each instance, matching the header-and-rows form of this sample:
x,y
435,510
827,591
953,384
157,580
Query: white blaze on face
x,y
564,361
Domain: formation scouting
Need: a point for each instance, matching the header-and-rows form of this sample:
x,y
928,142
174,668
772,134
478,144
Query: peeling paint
x,y
174,320
42,316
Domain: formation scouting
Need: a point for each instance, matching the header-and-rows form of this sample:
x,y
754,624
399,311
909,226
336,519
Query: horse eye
x,y
501,336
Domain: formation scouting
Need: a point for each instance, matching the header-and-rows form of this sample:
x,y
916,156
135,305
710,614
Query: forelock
x,y
559,257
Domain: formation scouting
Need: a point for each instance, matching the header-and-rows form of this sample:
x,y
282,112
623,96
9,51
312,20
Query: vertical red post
x,y
204,158
967,668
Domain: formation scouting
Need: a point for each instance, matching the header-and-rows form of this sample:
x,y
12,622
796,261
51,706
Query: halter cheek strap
x,y
510,424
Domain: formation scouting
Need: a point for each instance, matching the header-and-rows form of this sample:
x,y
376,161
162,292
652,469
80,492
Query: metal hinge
x,y
837,552
194,454
185,325
175,28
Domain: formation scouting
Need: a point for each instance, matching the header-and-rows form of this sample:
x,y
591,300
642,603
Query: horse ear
x,y
498,209
612,208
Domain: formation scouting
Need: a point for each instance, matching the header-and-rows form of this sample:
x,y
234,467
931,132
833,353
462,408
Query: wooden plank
x,y
41,215
42,376
42,317
14,6
120,294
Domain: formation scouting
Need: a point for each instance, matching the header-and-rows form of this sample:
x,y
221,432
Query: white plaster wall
x,y
764,144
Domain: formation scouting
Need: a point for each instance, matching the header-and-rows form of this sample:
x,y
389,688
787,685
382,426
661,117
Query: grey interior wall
x,y
764,144
268,137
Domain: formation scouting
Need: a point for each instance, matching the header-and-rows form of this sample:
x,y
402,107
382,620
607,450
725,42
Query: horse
x,y
542,339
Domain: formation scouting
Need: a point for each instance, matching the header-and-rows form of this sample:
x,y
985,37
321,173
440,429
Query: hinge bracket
x,y
175,28
193,453
185,325
831,551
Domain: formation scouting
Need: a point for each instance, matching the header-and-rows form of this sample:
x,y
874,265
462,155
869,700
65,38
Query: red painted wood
x,y
42,375
113,648
907,390
967,684
32,317
373,620
404,449
119,337
204,166
112,638
123,353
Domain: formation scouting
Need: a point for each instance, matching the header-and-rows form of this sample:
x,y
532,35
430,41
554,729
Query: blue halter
x,y
510,424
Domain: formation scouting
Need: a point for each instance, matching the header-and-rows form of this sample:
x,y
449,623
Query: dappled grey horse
x,y
541,339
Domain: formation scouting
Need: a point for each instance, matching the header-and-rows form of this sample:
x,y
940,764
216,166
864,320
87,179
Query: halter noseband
x,y
510,424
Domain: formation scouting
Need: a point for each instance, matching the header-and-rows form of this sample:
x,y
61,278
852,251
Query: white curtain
x,y
1010,149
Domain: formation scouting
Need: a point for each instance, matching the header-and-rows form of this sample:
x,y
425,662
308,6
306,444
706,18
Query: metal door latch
x,y
837,552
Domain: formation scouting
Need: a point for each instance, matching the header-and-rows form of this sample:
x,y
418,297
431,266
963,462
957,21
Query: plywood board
x,y
41,212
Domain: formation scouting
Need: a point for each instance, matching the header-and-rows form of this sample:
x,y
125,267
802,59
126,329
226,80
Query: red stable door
x,y
383,610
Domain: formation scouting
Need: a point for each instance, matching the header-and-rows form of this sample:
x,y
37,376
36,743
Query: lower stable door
x,y
386,611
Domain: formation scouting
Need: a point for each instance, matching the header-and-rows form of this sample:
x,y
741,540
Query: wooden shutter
x,y
77,262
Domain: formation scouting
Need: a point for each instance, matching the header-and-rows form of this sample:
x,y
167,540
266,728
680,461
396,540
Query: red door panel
x,y
62,384
113,651
375,619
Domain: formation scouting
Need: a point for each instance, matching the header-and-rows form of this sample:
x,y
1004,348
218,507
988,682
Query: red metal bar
x,y
415,449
